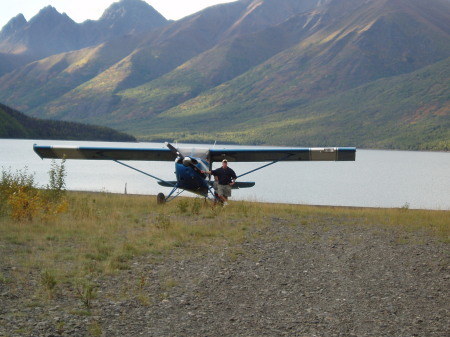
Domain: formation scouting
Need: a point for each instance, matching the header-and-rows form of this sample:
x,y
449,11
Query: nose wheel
x,y
160,198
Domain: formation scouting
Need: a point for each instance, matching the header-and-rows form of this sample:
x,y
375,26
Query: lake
x,y
378,178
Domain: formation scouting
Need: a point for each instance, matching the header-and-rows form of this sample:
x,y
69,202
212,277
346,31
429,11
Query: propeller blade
x,y
182,157
174,150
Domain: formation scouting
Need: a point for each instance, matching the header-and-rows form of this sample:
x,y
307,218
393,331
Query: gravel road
x,y
288,279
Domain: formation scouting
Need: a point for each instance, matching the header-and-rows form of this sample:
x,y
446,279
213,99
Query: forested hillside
x,y
16,125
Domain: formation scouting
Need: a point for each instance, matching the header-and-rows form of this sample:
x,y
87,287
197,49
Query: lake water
x,y
377,178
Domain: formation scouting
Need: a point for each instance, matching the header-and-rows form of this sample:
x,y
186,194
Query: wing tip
x,y
346,154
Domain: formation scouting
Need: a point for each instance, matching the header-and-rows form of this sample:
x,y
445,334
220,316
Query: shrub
x,y
49,282
10,183
21,199
86,291
18,194
24,204
57,184
183,206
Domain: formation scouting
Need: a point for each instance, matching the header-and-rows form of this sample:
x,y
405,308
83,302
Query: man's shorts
x,y
224,190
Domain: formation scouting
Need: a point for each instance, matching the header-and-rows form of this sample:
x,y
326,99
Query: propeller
x,y
187,161
174,150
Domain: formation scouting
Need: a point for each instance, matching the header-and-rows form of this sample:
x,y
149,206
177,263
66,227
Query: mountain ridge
x,y
50,32
179,79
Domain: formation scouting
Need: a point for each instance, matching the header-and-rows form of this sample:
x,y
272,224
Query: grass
x,y
101,234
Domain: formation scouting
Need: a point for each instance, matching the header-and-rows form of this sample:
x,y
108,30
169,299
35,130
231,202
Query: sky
x,y
81,10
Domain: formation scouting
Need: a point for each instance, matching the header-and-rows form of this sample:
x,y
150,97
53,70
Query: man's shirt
x,y
225,175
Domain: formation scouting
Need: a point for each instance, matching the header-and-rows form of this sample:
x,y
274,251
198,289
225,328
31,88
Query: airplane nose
x,y
187,161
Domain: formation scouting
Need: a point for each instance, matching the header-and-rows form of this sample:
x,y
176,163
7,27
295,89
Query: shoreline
x,y
404,207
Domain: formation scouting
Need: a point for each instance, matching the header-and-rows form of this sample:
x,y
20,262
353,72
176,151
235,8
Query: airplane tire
x,y
160,198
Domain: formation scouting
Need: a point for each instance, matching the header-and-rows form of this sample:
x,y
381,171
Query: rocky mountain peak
x,y
15,24
136,14
50,32
48,15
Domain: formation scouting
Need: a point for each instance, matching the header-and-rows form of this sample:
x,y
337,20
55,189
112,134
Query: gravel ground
x,y
289,279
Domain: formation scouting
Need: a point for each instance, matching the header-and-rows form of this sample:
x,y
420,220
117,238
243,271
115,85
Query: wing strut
x,y
261,167
171,196
147,174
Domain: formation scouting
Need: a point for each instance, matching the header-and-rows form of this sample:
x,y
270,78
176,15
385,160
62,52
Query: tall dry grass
x,y
101,233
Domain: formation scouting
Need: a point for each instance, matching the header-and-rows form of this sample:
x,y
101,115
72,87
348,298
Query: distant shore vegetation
x,y
16,125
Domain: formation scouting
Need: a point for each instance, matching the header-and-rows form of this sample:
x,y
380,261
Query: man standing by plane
x,y
227,178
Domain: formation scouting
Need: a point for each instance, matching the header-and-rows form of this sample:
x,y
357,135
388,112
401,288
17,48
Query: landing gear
x,y
160,199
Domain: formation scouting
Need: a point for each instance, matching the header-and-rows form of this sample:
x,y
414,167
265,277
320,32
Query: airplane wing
x,y
214,155
103,153
283,154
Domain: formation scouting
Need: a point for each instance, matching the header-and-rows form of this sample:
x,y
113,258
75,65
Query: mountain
x,y
410,112
288,72
50,32
121,18
17,125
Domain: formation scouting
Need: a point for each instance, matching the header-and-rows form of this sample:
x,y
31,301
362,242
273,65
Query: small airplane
x,y
189,168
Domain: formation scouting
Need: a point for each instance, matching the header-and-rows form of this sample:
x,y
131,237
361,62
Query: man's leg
x,y
225,192
222,193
